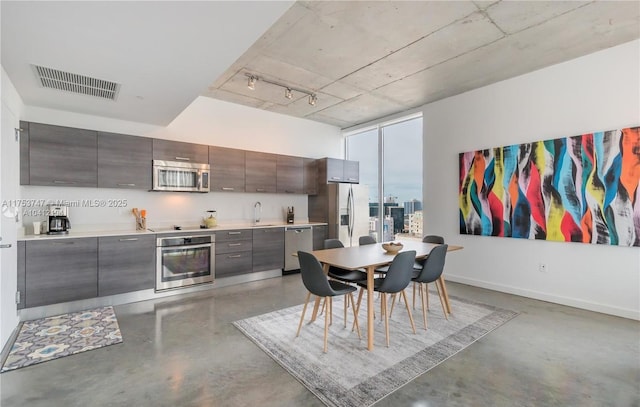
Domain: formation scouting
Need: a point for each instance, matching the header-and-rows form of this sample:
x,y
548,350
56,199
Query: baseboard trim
x,y
537,295
9,344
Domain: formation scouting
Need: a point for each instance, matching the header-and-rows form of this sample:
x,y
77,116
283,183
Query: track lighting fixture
x,y
288,90
312,100
252,82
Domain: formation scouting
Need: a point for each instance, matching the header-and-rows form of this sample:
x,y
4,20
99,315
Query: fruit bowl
x,y
392,247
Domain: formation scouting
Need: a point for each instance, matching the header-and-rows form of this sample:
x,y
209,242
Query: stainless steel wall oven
x,y
184,261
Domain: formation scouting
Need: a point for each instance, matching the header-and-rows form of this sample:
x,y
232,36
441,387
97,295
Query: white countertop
x,y
151,231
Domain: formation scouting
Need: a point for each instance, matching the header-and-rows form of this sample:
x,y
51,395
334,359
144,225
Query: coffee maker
x,y
59,223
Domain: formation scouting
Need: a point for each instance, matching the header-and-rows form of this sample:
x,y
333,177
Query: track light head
x,y
251,84
288,94
313,99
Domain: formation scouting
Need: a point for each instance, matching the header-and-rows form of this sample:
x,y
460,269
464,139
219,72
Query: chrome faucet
x,y
257,211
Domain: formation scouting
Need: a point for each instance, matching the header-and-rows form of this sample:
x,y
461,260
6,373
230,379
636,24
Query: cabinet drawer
x,y
233,235
231,264
233,246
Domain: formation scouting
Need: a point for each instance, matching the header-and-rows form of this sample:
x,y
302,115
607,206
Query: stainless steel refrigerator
x,y
345,208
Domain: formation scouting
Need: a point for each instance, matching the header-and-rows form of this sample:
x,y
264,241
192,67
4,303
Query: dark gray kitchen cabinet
x,y
336,170
21,249
56,155
260,172
227,169
233,252
320,233
268,249
124,161
180,151
60,270
289,174
310,173
126,263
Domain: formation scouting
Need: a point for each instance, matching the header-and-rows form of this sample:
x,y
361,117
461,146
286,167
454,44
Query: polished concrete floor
x,y
184,351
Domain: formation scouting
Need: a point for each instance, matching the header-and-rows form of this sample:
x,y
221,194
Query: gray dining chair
x,y
395,281
348,276
431,270
365,240
316,283
433,239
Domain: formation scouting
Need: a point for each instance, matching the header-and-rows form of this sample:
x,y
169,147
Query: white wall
x,y
205,121
595,92
12,107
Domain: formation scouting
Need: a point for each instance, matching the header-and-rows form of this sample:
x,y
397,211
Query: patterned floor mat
x,y
54,337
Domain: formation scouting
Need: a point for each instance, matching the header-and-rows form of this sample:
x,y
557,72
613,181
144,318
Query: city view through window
x,y
390,159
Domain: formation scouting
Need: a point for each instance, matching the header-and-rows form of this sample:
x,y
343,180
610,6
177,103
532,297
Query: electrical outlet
x,y
542,267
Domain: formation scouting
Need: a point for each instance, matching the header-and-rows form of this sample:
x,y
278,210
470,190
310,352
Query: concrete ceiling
x,y
365,60
369,59
163,54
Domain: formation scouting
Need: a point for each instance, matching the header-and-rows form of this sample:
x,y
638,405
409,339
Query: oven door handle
x,y
183,247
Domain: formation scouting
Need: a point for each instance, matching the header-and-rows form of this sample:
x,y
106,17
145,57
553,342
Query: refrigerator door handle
x,y
350,210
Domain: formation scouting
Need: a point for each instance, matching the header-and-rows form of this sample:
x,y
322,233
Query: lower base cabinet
x,y
268,249
60,270
233,252
126,263
320,233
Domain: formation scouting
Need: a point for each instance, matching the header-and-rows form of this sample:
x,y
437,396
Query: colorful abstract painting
x,y
576,189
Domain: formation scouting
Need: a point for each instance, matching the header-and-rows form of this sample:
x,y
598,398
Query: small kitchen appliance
x,y
289,214
210,220
59,223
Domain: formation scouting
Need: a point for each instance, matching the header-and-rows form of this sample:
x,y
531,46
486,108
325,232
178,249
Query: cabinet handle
x,y
260,189
235,244
234,256
183,158
352,179
126,185
5,246
64,182
336,178
131,239
235,233
228,189
288,191
63,242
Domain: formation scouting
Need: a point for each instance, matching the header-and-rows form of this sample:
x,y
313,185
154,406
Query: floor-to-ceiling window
x,y
390,156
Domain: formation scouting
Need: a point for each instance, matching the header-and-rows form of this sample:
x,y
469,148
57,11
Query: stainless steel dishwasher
x,y
296,238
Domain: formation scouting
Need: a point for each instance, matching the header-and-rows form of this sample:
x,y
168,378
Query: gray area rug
x,y
349,375
54,337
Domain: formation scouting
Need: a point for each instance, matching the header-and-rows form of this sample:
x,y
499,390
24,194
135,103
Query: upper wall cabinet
x,y
260,172
290,174
56,155
180,151
227,169
124,161
341,171
310,183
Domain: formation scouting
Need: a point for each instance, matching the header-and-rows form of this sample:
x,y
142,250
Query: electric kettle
x,y
210,220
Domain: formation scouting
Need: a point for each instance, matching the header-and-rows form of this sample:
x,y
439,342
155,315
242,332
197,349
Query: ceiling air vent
x,y
71,82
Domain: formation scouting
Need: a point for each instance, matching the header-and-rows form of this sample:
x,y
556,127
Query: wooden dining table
x,y
370,257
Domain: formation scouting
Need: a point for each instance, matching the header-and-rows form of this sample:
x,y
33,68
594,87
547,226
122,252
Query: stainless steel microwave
x,y
180,176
